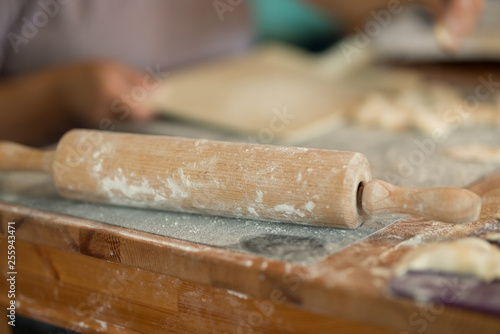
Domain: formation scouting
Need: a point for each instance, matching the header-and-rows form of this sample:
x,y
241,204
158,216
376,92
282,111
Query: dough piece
x,y
475,153
492,237
423,114
272,93
469,256
407,100
377,110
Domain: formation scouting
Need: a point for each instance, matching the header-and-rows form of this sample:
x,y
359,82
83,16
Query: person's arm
x,y
456,18
37,108
30,111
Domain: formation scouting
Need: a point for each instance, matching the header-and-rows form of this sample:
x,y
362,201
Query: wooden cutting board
x,y
274,93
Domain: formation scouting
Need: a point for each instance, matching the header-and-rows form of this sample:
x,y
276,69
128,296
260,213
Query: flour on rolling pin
x,y
288,184
220,178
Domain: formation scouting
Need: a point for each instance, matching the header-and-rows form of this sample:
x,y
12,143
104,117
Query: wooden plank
x,y
48,264
272,93
49,292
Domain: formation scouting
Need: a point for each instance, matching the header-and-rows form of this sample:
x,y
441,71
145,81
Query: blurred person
x,y
69,63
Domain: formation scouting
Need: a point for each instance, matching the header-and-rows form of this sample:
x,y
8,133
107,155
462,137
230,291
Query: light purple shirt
x,y
166,33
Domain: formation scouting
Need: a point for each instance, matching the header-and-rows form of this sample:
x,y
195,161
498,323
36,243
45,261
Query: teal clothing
x,y
293,21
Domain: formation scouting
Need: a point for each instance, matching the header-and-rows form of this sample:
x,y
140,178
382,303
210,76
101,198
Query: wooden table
x,y
93,277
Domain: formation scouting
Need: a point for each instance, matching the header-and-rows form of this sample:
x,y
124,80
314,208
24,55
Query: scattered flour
x,y
104,325
119,183
415,241
97,168
237,294
309,206
83,325
179,189
260,195
200,142
288,209
252,211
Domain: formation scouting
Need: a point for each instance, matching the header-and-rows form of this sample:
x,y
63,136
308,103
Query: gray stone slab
x,y
287,242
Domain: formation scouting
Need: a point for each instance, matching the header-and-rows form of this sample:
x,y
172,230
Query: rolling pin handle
x,y
449,205
17,157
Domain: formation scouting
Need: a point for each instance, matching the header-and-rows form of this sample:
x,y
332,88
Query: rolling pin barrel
x,y
307,186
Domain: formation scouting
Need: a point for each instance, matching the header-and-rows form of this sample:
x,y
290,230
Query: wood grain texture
x,y
90,295
288,184
349,285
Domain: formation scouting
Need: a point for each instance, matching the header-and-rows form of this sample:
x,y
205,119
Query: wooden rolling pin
x,y
288,184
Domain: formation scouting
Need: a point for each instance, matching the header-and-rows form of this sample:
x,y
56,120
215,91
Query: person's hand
x,y
455,19
94,91
37,108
